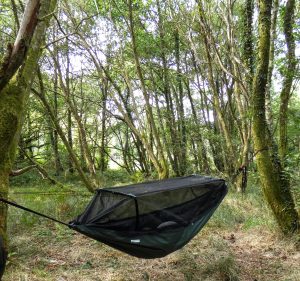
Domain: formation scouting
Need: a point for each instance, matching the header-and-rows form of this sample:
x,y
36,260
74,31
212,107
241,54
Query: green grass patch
x,y
245,211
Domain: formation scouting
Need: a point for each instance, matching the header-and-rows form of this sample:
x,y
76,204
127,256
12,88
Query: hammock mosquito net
x,y
151,219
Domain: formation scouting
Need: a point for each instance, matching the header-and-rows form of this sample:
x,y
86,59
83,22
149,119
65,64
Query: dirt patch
x,y
262,255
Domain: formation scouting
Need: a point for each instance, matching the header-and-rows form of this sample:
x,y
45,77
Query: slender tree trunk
x,y
221,120
182,140
70,139
248,54
163,170
274,185
163,129
241,97
288,78
269,113
103,156
64,139
171,142
15,11
58,165
201,151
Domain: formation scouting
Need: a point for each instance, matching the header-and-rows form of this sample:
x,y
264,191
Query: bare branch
x,y
22,171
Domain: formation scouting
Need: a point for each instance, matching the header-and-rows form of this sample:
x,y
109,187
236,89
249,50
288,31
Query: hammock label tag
x,y
135,241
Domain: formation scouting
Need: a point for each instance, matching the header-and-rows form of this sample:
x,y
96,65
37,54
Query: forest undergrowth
x,y
240,242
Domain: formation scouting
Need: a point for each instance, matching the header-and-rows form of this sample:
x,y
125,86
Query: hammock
x,y
151,219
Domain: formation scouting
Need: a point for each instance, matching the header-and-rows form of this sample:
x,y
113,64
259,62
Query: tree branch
x,y
19,172
16,54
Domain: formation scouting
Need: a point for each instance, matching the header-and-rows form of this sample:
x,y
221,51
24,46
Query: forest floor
x,y
240,242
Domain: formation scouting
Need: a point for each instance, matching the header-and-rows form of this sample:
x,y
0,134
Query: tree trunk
x,y
64,139
103,156
58,165
289,74
171,143
70,140
163,170
182,139
273,35
4,177
220,118
274,185
16,53
14,93
248,55
201,151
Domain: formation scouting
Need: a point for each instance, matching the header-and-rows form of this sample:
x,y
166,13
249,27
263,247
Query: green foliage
x,y
140,177
114,177
7,26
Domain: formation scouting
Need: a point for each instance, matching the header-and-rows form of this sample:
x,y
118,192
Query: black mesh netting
x,y
151,219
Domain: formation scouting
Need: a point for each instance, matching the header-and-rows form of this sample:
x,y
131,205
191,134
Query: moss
x,y
11,109
274,186
8,127
12,102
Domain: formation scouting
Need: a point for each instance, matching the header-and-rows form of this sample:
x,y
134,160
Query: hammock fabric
x,y
151,219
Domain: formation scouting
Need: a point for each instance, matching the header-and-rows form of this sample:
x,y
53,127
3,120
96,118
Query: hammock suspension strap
x,y
32,211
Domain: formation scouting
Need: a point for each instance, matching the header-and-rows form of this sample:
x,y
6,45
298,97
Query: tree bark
x,y
289,74
14,93
182,138
58,164
15,173
274,185
103,156
16,53
269,113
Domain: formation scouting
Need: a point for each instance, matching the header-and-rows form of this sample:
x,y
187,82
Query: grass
x,y
240,242
224,267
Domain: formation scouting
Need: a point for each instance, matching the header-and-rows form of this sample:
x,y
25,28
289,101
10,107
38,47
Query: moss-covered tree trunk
x,y
289,74
240,97
274,185
273,37
16,76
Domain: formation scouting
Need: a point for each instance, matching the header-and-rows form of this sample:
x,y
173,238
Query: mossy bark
x,y
289,74
11,109
13,98
275,186
273,37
